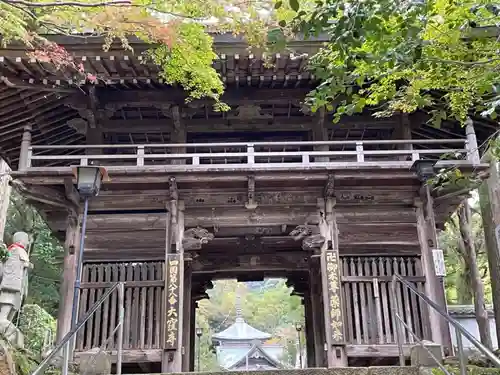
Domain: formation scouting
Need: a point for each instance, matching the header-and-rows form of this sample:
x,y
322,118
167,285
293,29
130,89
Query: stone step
x,y
374,370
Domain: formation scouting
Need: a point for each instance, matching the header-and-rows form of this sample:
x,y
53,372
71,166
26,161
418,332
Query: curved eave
x,y
241,331
252,350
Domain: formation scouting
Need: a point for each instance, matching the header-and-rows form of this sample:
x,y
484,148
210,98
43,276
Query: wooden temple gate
x,y
267,189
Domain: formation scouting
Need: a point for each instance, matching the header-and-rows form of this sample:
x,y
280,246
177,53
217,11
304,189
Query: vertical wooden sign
x,y
334,303
172,293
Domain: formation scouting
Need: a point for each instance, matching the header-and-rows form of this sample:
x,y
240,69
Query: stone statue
x,y
14,278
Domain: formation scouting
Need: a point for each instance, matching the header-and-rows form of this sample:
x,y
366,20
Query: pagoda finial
x,y
237,303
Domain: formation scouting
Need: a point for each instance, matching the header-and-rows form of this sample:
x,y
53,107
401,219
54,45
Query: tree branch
x,y
463,63
67,3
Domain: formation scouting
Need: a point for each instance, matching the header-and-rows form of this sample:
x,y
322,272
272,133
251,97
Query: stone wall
x,y
465,315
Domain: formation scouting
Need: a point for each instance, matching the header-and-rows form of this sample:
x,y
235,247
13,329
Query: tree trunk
x,y
467,242
489,199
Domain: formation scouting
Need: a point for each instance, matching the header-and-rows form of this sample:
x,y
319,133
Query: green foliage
x,y
189,63
177,31
25,363
400,56
46,253
35,323
458,276
4,252
471,370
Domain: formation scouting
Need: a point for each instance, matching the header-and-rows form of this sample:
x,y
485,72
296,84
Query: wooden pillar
x,y
179,134
94,136
472,148
5,190
331,287
68,277
24,156
319,133
434,285
309,330
316,303
92,114
174,284
192,333
403,132
188,317
489,198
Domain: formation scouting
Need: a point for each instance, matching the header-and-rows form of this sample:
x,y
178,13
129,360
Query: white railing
x,y
247,155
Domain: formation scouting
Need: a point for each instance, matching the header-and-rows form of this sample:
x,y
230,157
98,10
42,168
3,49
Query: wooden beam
x,y
201,125
377,350
131,238
129,355
239,96
250,263
237,199
364,218
30,84
46,195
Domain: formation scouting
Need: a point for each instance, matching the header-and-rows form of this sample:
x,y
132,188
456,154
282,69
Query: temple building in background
x,y
241,347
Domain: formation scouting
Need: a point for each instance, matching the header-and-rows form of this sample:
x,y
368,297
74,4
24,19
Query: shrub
x,y
34,323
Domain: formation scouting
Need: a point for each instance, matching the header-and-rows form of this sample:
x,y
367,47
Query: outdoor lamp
x,y
88,180
298,326
199,332
424,168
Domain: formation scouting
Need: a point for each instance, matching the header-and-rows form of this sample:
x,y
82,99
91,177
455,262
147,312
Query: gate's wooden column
x,y
317,311
331,287
434,285
174,284
309,329
192,333
68,277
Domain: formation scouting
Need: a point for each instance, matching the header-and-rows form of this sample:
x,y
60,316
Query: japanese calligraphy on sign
x,y
172,302
334,308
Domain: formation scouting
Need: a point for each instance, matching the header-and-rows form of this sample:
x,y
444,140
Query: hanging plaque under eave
x,y
173,294
334,300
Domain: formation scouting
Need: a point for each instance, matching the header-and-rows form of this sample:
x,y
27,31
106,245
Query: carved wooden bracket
x,y
249,112
313,242
310,236
86,112
194,238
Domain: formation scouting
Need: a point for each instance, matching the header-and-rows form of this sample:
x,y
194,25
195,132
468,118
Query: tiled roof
x,y
466,310
231,356
240,330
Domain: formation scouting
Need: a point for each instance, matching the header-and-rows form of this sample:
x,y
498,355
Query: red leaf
x,y
91,78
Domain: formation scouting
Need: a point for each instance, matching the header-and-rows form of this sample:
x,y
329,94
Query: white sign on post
x,y
439,266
